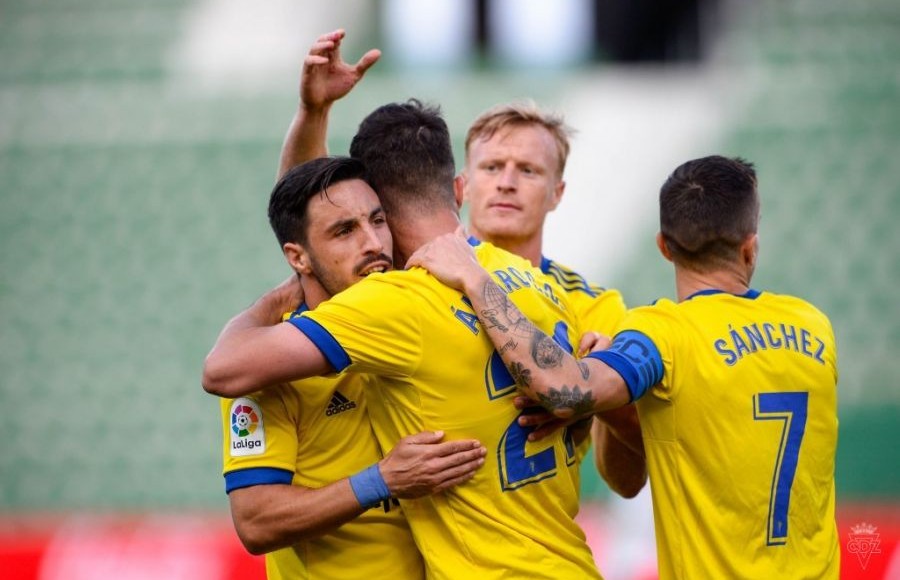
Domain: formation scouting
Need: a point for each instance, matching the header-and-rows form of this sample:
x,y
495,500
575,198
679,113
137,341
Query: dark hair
x,y
707,208
291,195
408,154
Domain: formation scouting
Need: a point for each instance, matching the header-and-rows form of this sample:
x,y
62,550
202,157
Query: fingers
x,y
458,467
459,474
322,48
424,438
417,258
336,34
314,60
535,416
367,61
459,451
593,341
546,430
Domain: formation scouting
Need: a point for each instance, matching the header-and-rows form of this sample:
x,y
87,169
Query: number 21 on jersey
x,y
516,467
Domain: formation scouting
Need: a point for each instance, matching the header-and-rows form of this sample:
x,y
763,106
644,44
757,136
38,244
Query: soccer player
x,y
736,388
512,178
436,370
299,457
515,159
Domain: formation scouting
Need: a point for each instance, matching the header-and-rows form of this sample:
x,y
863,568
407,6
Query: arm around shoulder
x,y
256,350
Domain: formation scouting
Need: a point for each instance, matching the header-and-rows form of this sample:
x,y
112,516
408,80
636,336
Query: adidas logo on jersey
x,y
338,404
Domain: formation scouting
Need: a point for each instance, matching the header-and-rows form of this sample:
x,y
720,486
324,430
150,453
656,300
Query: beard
x,y
334,282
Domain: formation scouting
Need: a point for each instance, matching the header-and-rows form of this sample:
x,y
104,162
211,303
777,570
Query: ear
x,y
663,248
459,189
750,250
558,190
297,257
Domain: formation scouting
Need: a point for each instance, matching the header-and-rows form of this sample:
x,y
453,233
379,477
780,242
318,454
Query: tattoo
x,y
491,317
565,398
520,374
502,313
545,352
585,370
510,345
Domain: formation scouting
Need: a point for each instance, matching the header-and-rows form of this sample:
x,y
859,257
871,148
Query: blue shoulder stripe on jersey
x,y
300,310
566,278
326,343
256,476
637,360
473,241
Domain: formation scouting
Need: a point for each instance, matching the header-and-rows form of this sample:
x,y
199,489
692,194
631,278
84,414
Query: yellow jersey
x,y
312,433
599,309
437,370
738,408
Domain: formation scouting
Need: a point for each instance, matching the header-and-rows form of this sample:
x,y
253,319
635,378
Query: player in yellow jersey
x,y
436,369
513,177
736,388
291,452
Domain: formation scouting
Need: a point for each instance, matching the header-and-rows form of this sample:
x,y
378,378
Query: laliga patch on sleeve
x,y
247,434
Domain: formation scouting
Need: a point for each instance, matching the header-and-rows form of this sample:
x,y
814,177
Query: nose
x,y
371,240
508,178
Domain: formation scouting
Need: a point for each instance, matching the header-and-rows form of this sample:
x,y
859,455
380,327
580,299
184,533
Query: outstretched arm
x,y
273,516
325,79
256,350
616,434
541,368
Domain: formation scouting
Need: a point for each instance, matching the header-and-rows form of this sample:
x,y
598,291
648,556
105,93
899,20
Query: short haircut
x,y
290,197
707,208
408,155
522,114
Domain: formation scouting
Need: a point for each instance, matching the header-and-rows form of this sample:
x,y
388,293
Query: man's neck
x,y
412,233
313,292
689,282
529,248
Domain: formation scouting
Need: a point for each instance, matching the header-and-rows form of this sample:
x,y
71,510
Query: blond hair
x,y
522,113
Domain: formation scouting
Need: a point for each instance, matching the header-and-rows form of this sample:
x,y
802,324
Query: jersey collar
x,y
750,294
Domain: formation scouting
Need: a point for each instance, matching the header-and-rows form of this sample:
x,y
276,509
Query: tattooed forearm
x,y
520,374
490,316
545,352
502,313
510,345
566,398
585,370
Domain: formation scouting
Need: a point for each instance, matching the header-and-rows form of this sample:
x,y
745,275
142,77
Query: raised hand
x,y
326,77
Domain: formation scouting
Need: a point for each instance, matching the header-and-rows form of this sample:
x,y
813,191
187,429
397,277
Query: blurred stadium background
x,y
139,141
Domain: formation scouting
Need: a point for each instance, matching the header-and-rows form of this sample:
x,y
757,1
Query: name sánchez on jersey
x,y
753,338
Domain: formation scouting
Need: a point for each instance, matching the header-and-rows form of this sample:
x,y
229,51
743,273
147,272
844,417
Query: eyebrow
x,y
340,224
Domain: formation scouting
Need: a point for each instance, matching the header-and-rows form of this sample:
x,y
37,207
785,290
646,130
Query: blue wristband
x,y
369,487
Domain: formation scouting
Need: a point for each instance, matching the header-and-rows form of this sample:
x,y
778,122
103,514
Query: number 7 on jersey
x,y
790,408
